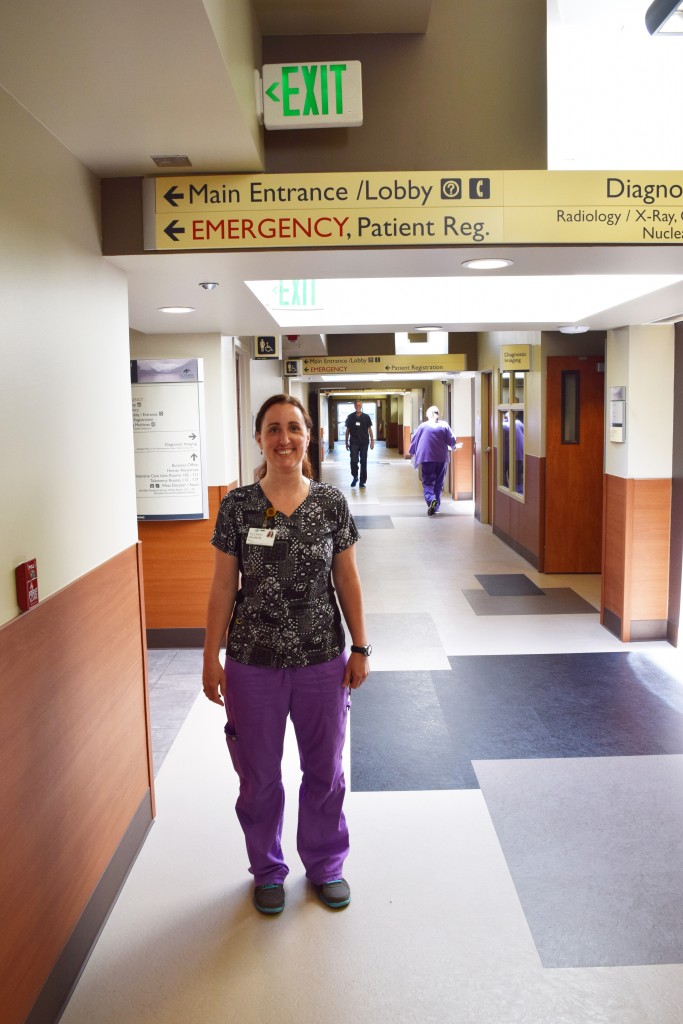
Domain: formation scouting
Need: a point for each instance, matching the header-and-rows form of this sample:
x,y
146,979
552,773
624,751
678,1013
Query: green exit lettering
x,y
321,83
296,293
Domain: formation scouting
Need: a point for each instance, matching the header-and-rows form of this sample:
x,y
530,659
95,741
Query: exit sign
x,y
312,95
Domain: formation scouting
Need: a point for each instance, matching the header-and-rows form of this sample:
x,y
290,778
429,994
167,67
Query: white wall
x,y
68,494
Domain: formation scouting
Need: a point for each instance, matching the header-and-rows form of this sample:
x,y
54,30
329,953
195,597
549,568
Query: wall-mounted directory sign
x,y
411,208
168,431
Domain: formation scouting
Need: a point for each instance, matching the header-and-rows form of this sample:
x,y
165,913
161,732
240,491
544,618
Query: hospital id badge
x,y
264,537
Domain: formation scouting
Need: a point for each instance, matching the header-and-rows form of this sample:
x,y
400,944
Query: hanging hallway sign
x,y
369,209
314,365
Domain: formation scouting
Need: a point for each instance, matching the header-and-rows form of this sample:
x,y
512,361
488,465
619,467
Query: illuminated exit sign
x,y
312,95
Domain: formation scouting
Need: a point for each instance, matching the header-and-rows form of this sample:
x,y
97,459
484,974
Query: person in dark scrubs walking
x,y
358,438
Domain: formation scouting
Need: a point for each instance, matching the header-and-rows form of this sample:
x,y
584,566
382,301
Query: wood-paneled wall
x,y
463,470
76,763
521,524
178,562
635,577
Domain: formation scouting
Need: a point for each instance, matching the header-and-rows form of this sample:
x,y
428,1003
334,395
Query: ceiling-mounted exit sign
x,y
309,95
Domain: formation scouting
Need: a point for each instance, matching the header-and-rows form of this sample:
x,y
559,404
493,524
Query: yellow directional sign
x,y
404,208
314,365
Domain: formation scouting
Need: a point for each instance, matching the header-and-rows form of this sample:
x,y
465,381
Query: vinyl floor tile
x,y
595,849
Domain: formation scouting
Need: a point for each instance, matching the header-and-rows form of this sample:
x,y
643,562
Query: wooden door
x,y
574,464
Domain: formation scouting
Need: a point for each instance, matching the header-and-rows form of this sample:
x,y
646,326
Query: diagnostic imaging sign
x,y
168,429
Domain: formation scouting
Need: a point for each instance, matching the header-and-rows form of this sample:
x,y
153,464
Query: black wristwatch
x,y
367,650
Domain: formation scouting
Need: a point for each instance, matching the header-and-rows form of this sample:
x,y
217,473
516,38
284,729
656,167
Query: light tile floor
x,y
437,931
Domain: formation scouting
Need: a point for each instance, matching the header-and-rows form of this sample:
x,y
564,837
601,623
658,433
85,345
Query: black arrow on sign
x,y
192,437
172,195
172,231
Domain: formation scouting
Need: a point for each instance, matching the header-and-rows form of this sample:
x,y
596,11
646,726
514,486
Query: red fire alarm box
x,y
27,585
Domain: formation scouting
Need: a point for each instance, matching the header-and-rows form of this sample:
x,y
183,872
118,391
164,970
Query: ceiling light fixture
x,y
428,328
208,285
176,309
487,264
573,329
665,18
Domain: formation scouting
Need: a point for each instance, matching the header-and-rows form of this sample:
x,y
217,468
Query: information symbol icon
x,y
451,188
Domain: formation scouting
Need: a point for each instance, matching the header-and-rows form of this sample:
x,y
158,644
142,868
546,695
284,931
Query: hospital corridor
x,y
515,803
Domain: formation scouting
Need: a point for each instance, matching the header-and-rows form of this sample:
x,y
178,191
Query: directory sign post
x,y
168,430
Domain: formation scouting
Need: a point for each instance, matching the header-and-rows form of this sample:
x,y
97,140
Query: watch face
x,y
368,650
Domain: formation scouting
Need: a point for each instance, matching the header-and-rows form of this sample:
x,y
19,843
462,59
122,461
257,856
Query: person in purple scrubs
x,y
285,572
430,449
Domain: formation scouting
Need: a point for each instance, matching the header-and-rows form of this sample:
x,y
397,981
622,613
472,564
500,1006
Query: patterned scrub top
x,y
286,614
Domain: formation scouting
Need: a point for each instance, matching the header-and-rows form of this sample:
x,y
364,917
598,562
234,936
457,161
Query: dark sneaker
x,y
270,899
336,894
354,481
432,507
362,487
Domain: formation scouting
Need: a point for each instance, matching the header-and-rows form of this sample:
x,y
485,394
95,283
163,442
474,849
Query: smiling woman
x,y
283,545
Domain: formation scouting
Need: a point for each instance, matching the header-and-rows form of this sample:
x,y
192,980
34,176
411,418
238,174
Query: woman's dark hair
x,y
306,467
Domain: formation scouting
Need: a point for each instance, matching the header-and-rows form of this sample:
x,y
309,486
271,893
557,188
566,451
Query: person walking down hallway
x,y
283,546
358,438
430,448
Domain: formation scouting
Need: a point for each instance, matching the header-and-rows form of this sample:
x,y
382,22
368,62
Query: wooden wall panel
x,y
463,469
616,530
74,735
520,523
650,550
178,567
636,544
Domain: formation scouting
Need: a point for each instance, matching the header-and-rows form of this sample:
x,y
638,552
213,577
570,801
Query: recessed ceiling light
x,y
176,309
573,329
428,328
208,285
487,264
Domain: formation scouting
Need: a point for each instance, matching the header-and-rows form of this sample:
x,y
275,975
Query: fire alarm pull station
x,y
27,585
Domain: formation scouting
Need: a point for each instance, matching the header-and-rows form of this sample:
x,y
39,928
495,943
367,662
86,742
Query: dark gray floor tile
x,y
553,601
399,740
373,522
511,584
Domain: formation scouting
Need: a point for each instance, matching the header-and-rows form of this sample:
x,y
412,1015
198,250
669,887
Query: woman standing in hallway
x,y
281,544
430,448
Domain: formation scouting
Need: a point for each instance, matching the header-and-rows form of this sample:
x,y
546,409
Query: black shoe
x,y
432,507
336,894
354,481
362,487
270,899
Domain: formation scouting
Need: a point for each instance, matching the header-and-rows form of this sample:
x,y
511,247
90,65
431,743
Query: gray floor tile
x,y
594,847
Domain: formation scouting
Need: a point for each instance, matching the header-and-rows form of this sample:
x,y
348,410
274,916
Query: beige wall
x,y
67,495
642,359
470,93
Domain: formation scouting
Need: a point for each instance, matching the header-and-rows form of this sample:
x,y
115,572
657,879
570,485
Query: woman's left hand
x,y
357,671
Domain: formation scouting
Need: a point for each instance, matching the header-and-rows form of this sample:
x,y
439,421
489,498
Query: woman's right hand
x,y
213,681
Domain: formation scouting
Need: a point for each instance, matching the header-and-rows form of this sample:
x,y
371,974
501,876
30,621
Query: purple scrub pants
x,y
258,702
433,477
